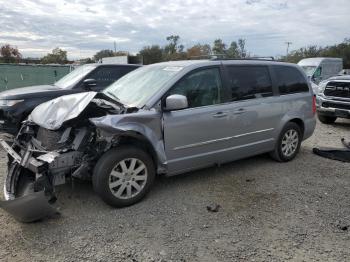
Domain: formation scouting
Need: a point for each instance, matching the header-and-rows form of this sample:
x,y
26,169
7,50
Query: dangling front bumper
x,y
32,206
29,208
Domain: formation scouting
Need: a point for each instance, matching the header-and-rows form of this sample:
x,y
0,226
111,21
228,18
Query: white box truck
x,y
321,68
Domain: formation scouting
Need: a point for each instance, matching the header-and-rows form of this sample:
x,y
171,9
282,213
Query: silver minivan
x,y
167,118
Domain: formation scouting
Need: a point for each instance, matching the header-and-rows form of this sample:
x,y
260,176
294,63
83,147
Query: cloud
x,y
84,27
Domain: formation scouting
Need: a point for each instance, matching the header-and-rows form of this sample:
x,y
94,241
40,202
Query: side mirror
x,y
89,83
176,102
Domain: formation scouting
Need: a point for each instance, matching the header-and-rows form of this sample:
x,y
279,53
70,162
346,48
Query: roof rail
x,y
205,56
216,57
264,58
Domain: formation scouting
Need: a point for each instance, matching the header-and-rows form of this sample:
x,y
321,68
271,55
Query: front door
x,y
193,136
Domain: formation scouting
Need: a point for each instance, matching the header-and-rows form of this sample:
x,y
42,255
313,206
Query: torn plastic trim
x,y
26,161
29,208
340,154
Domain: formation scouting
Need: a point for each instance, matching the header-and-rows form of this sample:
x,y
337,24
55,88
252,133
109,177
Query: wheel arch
x,y
300,123
294,118
138,140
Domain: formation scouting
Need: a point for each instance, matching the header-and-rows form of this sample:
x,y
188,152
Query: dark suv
x,y
17,104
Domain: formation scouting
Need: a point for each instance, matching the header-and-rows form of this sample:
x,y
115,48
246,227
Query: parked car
x,y
333,99
321,68
16,104
167,118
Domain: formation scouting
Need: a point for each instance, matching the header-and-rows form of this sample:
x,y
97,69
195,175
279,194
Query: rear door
x,y
254,118
195,136
295,99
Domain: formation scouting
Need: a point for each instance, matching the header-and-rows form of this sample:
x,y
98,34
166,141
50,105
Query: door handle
x,y
220,114
240,111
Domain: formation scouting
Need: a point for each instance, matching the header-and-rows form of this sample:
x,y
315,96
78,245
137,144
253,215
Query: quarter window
x,y
290,80
248,82
202,88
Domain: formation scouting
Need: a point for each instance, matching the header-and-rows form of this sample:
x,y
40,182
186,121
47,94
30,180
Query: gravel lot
x,y
296,211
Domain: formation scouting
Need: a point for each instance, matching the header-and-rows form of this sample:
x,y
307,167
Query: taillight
x,y
314,104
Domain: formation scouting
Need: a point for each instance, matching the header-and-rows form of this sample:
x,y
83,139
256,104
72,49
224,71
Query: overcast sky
x,y
84,27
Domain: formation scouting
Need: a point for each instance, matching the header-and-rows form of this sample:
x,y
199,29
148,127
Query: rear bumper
x,y
310,125
333,107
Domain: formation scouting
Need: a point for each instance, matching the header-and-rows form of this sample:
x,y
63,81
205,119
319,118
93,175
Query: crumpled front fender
x,y
146,123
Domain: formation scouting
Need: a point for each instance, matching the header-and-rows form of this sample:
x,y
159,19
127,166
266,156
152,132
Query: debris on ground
x,y
213,208
340,154
342,227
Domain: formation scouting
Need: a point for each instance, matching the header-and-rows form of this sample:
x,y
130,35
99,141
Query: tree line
x,y
341,50
174,50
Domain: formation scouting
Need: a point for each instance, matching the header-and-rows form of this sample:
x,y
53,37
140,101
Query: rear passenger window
x,y
249,82
290,80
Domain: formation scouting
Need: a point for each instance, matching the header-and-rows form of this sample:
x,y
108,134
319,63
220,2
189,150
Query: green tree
x,y
173,50
341,50
233,50
198,50
103,53
172,47
151,54
241,48
219,47
58,56
9,54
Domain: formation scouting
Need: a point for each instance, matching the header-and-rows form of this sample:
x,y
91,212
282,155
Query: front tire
x,y
123,176
288,143
326,119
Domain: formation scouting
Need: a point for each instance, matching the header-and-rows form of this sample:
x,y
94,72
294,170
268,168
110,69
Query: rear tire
x,y
326,119
123,176
288,143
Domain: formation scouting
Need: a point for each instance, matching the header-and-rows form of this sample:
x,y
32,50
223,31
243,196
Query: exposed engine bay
x,y
56,143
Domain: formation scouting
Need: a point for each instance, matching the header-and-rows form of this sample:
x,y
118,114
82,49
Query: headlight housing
x,y
5,102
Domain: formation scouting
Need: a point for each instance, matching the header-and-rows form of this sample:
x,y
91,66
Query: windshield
x,y
75,76
137,87
309,70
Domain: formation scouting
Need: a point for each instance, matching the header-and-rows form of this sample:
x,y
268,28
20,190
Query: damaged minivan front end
x,y
59,141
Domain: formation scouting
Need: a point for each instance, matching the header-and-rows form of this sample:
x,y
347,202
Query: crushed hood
x,y
52,114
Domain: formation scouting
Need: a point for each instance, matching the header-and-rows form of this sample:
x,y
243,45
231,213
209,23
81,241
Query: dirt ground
x,y
297,211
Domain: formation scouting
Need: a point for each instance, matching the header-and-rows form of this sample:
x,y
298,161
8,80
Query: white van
x,y
321,68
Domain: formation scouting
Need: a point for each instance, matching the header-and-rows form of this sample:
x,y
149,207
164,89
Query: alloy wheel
x,y
128,178
290,142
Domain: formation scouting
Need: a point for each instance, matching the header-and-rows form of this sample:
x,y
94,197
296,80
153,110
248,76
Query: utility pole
x,y
288,44
115,47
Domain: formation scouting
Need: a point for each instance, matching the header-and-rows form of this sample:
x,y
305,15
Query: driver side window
x,y
202,88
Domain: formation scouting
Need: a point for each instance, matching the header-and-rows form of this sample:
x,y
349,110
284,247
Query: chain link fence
x,y
12,75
